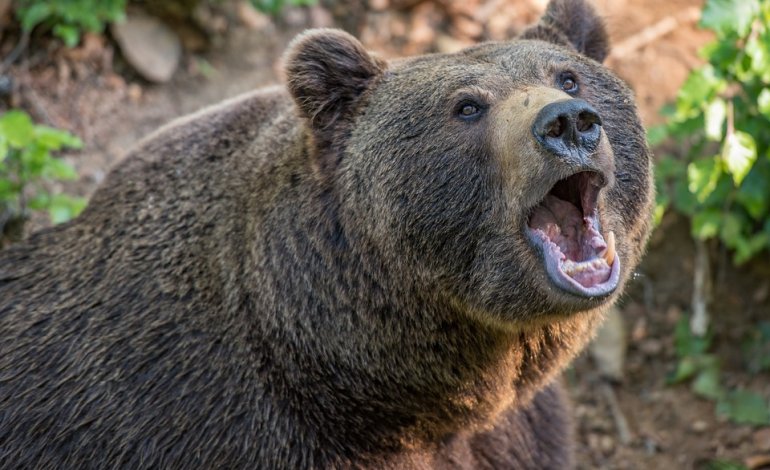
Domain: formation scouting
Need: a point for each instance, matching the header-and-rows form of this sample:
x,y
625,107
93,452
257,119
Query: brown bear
x,y
382,265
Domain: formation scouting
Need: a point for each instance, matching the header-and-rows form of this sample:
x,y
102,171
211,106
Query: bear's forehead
x,y
494,63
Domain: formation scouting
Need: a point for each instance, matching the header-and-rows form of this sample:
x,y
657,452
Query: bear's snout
x,y
568,129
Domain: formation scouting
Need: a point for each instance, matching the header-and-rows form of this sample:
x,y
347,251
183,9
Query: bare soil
x,y
91,91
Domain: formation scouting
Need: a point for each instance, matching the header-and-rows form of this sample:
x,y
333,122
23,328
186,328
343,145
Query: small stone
x,y
651,347
134,92
699,426
639,331
149,46
761,439
607,444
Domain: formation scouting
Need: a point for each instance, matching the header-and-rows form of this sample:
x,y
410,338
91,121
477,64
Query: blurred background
x,y
678,376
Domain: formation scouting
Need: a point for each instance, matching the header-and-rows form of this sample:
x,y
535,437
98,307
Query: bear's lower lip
x,y
565,229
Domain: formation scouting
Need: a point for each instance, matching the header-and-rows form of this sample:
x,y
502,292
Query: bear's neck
x,y
375,362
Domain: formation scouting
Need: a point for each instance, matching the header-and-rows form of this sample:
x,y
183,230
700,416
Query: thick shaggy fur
x,y
333,276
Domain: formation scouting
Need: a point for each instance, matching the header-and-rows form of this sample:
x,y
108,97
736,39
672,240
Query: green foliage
x,y
26,161
69,18
702,370
722,115
274,7
725,465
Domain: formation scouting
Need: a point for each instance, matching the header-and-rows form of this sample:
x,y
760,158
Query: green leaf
x,y
659,212
746,248
54,139
706,384
34,15
16,126
732,228
669,167
8,190
656,135
39,201
715,115
739,153
720,54
763,102
688,344
703,176
743,406
758,51
754,193
728,17
686,368
705,224
67,33
700,87
59,169
684,201
63,208
3,148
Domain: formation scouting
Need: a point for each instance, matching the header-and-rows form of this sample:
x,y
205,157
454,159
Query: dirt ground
x,y
94,93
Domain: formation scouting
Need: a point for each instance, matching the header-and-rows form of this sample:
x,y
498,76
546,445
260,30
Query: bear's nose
x,y
568,129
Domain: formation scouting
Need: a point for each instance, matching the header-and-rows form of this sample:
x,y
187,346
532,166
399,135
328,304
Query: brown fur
x,y
334,277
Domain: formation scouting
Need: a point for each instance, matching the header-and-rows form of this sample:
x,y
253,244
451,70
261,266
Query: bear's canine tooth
x,y
609,252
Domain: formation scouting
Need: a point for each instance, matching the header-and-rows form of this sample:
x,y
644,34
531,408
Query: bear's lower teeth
x,y
571,268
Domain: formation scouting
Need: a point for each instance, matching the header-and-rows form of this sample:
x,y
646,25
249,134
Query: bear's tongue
x,y
580,251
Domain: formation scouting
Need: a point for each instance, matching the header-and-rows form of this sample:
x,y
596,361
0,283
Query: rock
x,y
609,347
149,46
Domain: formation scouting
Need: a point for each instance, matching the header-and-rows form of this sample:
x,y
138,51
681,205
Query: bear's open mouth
x,y
565,226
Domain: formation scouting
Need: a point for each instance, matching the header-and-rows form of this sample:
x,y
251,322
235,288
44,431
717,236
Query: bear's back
x,y
109,352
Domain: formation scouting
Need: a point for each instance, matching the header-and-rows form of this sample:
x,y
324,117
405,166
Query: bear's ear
x,y
574,23
327,70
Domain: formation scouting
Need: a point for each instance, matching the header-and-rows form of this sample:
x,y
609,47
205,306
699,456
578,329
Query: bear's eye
x,y
568,83
468,111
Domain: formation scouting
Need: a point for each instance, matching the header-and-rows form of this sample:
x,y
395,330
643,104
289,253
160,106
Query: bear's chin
x,y
566,232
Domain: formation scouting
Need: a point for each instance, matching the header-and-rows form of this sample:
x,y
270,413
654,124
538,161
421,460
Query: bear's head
x,y
512,178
